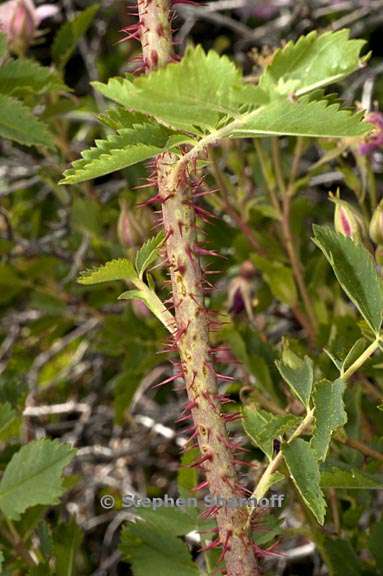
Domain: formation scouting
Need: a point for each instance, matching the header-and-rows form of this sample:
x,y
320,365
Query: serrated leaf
x,y
153,548
33,476
329,414
118,118
70,33
196,92
315,119
263,428
298,373
68,538
148,253
312,62
304,470
348,478
18,123
355,271
118,269
127,147
22,76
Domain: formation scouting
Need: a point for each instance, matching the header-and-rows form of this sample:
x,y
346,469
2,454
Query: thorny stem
x,y
199,374
192,333
156,34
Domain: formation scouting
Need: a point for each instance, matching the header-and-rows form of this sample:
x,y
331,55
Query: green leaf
x,y
279,278
152,546
187,477
33,476
263,427
177,521
353,354
302,118
329,414
312,62
8,420
129,146
298,374
70,33
125,386
117,118
119,269
86,217
340,557
304,471
68,539
375,544
18,123
3,44
148,253
348,478
24,76
355,271
196,92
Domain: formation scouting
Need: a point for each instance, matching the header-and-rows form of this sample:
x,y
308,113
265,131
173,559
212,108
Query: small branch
x,y
292,253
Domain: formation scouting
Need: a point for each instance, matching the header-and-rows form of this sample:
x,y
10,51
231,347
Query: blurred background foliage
x,y
80,365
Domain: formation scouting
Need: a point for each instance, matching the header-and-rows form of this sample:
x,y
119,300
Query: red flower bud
x,y
347,220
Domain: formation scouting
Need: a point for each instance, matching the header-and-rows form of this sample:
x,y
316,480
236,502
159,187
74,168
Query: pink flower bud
x,y
240,290
133,225
140,309
19,20
347,220
376,225
375,141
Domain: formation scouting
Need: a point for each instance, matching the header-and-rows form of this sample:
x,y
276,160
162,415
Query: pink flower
x,y
19,20
374,142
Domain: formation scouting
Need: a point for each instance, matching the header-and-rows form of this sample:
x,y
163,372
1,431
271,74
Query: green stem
x,y
264,483
345,375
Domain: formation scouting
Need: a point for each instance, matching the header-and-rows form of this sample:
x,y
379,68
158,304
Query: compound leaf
x,y
262,428
196,92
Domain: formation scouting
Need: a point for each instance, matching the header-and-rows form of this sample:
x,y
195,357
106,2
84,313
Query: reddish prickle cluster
x,y
178,194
